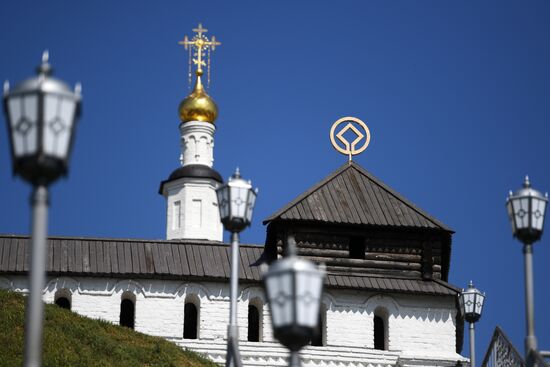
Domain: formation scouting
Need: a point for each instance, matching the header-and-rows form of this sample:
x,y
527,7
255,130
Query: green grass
x,y
73,340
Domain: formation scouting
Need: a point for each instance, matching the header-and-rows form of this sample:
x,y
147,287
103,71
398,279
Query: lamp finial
x,y
45,56
45,68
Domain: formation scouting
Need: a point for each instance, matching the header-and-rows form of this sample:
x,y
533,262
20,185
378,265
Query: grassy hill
x,y
73,340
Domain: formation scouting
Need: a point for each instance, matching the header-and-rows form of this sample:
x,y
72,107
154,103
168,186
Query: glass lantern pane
x,y
468,302
222,202
226,203
279,288
542,207
478,304
519,213
250,204
308,292
51,116
537,213
23,116
511,215
238,202
58,118
27,124
15,107
66,115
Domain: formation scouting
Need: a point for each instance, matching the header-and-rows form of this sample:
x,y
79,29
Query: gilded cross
x,y
201,44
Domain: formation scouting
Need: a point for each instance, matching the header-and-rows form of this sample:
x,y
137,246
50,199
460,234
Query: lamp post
x,y
294,287
41,113
471,304
236,201
526,209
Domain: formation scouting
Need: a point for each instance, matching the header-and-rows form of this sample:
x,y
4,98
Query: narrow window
x,y
63,298
176,215
357,248
379,333
253,324
127,313
196,213
318,336
190,321
63,302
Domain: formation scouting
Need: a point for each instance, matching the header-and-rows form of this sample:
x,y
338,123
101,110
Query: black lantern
x,y
236,201
294,288
42,113
471,303
526,210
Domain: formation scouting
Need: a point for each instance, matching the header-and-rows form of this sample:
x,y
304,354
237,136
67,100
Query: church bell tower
x,y
190,190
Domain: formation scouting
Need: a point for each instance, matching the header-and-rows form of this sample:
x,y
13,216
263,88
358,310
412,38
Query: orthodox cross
x,y
199,46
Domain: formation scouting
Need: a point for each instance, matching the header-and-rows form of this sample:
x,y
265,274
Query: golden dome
x,y
198,106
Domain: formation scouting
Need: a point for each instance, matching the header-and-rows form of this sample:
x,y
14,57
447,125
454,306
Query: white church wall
x,y
192,209
197,143
421,328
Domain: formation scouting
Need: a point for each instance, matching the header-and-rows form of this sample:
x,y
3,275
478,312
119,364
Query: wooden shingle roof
x,y
174,259
351,195
132,258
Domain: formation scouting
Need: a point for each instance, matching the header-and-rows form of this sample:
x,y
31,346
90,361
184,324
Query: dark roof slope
x,y
351,195
192,170
176,259
132,258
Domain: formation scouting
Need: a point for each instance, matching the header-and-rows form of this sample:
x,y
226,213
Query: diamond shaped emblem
x,y
23,126
57,125
280,299
308,298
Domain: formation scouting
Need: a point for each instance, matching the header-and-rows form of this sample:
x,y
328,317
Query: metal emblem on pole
x,y
355,125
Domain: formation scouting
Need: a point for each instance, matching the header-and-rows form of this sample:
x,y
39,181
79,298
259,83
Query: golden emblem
x,y
348,148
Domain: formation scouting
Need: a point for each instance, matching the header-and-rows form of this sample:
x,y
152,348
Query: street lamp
x,y
526,209
236,201
294,287
471,304
41,113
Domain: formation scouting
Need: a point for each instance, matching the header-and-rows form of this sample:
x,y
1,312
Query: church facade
x,y
386,298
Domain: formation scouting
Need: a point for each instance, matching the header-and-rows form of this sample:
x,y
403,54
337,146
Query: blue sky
x,y
455,95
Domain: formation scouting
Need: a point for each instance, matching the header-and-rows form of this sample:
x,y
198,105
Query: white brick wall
x,y
199,216
421,328
197,143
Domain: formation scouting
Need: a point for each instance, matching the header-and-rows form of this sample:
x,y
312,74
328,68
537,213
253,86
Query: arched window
x,y
190,321
253,323
319,338
63,302
63,298
127,311
380,329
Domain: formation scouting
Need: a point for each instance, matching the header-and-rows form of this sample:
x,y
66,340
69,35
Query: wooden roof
x,y
176,259
132,258
351,195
